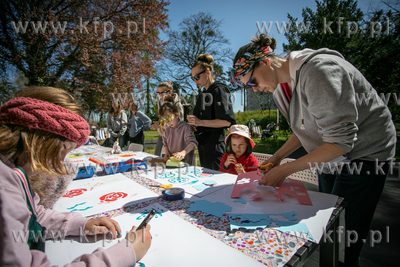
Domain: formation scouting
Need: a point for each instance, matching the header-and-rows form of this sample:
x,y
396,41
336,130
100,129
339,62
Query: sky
x,y
240,17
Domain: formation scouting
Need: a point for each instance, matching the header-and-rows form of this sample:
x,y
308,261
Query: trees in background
x,y
91,48
197,34
370,43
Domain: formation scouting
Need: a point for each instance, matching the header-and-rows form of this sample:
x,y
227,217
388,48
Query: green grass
x,y
267,145
261,117
148,135
270,145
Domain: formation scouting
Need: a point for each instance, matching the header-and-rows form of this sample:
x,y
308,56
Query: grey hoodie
x,y
327,98
116,125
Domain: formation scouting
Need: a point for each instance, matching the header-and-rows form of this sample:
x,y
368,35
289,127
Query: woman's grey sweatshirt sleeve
x,y
330,98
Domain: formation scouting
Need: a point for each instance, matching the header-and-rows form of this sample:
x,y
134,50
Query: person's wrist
x,y
226,167
277,156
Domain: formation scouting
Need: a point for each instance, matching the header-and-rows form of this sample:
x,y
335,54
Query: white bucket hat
x,y
241,130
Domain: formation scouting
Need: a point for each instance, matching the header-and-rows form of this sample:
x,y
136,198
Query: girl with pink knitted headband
x,y
38,128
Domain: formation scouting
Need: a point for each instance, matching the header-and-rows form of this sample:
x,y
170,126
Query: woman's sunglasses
x,y
164,120
197,76
249,83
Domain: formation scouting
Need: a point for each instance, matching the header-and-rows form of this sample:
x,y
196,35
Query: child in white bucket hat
x,y
239,147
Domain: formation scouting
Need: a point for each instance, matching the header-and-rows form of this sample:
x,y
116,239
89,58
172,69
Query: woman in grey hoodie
x,y
319,93
116,123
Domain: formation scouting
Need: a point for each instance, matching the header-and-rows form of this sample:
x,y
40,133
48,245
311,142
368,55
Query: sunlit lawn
x,y
148,135
265,145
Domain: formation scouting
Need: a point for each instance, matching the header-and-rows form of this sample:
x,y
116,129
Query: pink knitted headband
x,y
43,115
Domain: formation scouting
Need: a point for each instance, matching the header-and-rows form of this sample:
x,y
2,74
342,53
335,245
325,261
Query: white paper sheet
x,y
190,177
88,195
175,242
143,155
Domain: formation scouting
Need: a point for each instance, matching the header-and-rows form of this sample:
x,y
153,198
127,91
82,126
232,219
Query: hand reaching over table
x,y
140,240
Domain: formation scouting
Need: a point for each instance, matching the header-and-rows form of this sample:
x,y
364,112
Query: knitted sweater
x,y
15,215
178,138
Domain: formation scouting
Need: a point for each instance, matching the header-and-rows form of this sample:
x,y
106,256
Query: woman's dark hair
x,y
205,61
249,149
256,43
168,106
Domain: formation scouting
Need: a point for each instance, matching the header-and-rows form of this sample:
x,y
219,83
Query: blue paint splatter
x,y
76,206
144,214
178,180
241,200
192,182
82,209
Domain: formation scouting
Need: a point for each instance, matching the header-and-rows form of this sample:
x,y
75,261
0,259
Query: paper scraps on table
x,y
241,200
298,229
204,185
248,183
200,187
217,209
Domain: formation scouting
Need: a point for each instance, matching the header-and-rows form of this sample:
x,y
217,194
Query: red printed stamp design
x,y
110,197
74,192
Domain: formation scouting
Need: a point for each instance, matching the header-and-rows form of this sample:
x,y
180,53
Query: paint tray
x,y
174,163
81,166
85,172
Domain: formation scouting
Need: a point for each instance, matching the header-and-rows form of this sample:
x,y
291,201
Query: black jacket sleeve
x,y
215,103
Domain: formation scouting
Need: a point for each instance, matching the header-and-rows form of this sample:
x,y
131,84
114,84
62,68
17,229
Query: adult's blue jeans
x,y
362,191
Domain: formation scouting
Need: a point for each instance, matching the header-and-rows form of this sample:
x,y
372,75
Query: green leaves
x,y
369,42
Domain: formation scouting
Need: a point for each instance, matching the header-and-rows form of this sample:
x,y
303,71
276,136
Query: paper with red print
x,y
95,195
247,183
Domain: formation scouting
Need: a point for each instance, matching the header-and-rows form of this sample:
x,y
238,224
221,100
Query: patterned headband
x,y
246,63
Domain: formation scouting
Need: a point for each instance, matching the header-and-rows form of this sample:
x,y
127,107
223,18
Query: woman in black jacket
x,y
212,114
